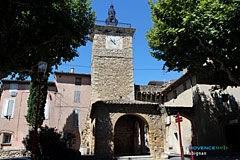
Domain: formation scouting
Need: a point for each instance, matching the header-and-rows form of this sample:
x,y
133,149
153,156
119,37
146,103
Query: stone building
x,y
119,124
210,116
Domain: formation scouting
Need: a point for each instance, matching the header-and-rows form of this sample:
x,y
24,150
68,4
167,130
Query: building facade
x,y
210,116
66,108
118,124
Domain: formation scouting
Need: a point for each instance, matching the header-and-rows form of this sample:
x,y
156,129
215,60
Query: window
x,y
14,87
158,98
139,96
148,97
46,110
175,94
77,97
76,118
78,81
153,98
184,86
8,108
144,97
162,100
166,98
6,138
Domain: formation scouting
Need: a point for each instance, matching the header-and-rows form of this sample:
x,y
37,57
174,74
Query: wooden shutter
x,y
8,108
46,110
77,96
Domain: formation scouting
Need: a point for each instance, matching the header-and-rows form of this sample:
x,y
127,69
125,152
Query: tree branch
x,y
229,73
46,42
230,76
20,3
201,43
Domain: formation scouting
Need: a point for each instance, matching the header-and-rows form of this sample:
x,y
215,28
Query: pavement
x,y
233,157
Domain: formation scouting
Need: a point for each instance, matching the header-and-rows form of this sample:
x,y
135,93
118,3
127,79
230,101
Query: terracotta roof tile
x,y
124,101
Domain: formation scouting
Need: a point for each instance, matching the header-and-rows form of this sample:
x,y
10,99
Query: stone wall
x,y
106,117
14,153
112,69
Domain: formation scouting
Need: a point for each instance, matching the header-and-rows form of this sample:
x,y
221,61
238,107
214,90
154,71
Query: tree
x,y
33,98
47,30
200,35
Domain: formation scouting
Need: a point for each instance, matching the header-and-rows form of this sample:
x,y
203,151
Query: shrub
x,y
50,144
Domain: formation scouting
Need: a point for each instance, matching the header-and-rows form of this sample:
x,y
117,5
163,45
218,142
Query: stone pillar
x,y
103,136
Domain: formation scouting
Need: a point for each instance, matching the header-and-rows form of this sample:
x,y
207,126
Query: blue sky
x,y
137,13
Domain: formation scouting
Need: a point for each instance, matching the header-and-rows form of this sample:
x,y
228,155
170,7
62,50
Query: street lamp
x,y
42,67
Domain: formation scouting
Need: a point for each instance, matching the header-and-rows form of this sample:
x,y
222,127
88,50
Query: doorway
x,y
131,136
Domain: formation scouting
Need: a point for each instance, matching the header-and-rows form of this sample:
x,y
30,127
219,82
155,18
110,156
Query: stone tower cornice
x,y
112,30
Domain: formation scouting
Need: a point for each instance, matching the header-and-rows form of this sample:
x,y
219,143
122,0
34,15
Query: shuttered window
x,y
8,108
77,97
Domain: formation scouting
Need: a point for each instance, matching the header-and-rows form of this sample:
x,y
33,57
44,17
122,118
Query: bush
x,y
50,144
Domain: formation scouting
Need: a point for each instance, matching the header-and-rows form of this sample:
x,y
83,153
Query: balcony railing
x,y
125,25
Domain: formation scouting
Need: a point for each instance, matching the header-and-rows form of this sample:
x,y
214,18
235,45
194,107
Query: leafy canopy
x,y
41,30
46,30
200,35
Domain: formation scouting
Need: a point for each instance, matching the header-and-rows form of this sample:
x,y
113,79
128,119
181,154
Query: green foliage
x,y
200,35
41,30
33,98
46,30
50,144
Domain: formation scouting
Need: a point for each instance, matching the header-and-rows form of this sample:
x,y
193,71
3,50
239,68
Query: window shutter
x,y
76,117
77,96
10,108
5,107
46,110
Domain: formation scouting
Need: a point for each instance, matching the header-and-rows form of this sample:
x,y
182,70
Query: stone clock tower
x,y
115,117
112,61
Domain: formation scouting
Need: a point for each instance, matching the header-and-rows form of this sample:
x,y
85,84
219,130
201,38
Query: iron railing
x,y
125,25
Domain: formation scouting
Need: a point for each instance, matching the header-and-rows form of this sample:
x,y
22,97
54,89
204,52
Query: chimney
x,y
72,70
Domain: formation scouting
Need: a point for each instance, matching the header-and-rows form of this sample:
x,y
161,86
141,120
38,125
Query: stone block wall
x,y
14,153
106,117
112,69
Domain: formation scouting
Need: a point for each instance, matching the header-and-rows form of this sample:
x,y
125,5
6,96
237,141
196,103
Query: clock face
x,y
114,42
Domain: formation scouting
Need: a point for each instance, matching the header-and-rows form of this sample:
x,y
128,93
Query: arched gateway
x,y
127,128
131,136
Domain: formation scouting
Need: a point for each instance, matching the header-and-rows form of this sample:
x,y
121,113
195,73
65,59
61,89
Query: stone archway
x,y
106,120
131,136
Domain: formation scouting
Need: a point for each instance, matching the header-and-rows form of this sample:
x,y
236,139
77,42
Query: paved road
x,y
236,157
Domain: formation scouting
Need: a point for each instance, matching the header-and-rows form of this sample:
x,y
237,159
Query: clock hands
x,y
113,41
